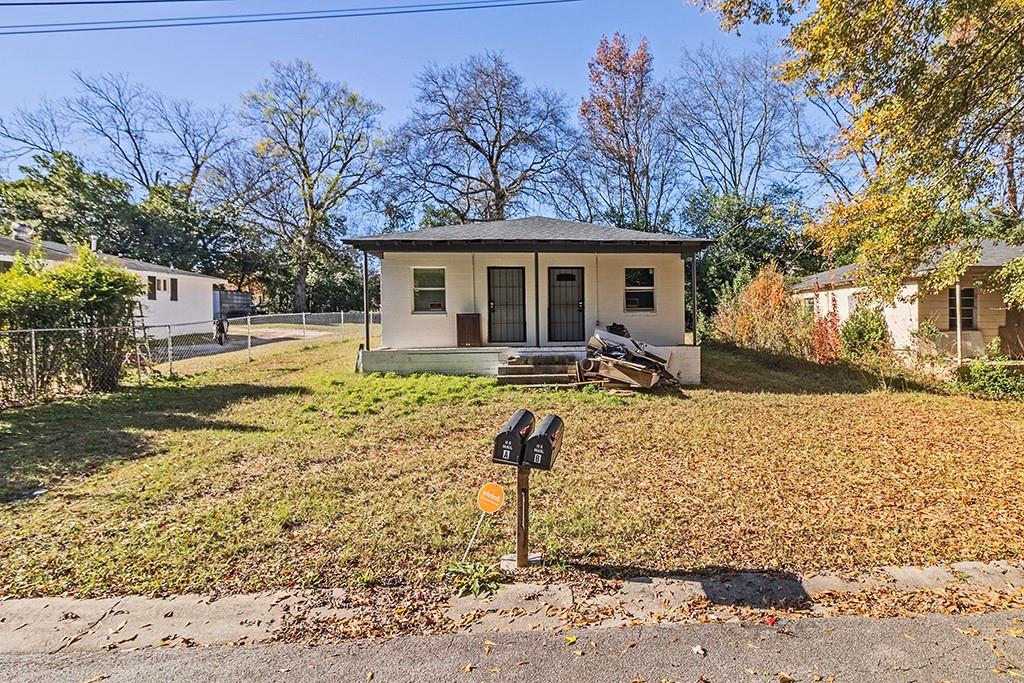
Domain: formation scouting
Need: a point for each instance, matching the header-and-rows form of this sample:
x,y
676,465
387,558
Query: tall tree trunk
x,y
1012,203
301,273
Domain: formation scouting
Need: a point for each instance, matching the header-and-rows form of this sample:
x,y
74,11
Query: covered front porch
x,y
498,361
467,299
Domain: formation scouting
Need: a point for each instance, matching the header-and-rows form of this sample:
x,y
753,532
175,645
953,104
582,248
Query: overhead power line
x,y
119,25
248,15
60,3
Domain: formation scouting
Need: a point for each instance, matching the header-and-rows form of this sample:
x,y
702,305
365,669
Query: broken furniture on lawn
x,y
616,360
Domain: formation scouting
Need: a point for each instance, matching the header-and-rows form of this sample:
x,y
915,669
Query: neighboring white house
x,y
461,298
172,296
984,315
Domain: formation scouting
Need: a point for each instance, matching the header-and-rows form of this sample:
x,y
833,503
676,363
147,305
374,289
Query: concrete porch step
x,y
536,379
561,369
543,359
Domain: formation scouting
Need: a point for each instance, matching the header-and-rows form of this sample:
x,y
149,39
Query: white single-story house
x,y
172,296
465,298
982,316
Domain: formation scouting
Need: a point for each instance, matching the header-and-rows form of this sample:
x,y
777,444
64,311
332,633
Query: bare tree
x,y
42,130
479,143
835,167
732,120
314,148
120,114
198,136
575,187
631,159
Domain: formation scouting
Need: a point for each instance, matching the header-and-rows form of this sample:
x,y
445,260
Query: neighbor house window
x,y
174,289
428,290
151,288
966,307
639,289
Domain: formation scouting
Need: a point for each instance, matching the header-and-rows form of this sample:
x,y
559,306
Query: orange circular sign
x,y
491,498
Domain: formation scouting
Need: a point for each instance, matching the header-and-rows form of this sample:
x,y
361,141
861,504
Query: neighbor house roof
x,y
55,251
993,254
527,235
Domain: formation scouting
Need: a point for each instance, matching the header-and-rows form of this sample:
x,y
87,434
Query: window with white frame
x,y
428,290
639,289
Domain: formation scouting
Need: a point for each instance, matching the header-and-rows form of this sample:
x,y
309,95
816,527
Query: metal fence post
x,y
248,334
303,324
170,352
35,372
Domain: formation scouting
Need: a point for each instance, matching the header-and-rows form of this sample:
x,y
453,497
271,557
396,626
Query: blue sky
x,y
379,57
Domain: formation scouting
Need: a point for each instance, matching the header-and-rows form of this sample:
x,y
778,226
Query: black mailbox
x,y
543,446
509,444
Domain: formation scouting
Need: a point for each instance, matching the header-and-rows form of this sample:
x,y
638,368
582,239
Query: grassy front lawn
x,y
291,470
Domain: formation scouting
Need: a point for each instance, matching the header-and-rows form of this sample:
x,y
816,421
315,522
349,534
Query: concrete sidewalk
x,y
58,625
968,649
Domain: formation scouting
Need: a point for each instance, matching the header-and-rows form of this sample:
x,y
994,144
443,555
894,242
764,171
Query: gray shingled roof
x,y
535,232
55,251
993,254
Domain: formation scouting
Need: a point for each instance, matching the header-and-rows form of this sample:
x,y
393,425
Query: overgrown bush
x,y
865,333
991,376
82,293
764,315
825,342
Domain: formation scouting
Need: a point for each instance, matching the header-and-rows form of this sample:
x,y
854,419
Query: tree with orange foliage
x,y
623,120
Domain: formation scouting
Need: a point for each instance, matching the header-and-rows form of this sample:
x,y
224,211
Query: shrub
x,y
764,315
102,298
991,376
81,293
825,342
865,333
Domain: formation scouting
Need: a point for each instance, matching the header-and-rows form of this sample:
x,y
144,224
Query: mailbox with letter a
x,y
509,444
542,447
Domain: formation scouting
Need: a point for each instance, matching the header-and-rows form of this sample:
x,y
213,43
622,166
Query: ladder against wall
x,y
140,341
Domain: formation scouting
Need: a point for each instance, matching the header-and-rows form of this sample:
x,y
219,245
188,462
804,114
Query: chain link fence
x,y
43,364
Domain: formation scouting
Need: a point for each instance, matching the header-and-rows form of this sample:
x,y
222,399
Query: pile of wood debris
x,y
619,361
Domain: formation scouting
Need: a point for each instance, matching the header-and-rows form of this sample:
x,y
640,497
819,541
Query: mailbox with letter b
x,y
511,440
514,445
543,445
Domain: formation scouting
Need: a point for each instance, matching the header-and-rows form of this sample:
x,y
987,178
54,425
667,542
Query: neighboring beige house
x,y
463,298
984,315
172,296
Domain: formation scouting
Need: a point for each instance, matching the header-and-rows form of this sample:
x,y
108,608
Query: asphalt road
x,y
930,648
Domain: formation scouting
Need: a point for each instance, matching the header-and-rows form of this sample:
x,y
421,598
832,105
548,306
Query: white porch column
x,y
959,328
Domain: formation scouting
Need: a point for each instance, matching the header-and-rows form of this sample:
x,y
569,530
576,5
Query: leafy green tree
x,y
68,204
748,234
336,284
937,89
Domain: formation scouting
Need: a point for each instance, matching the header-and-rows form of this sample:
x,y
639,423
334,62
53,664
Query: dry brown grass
x,y
293,471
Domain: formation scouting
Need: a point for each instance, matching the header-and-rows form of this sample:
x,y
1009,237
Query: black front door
x,y
565,305
506,317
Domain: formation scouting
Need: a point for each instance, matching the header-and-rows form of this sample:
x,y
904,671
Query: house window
x,y
428,290
151,288
639,289
174,289
966,307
